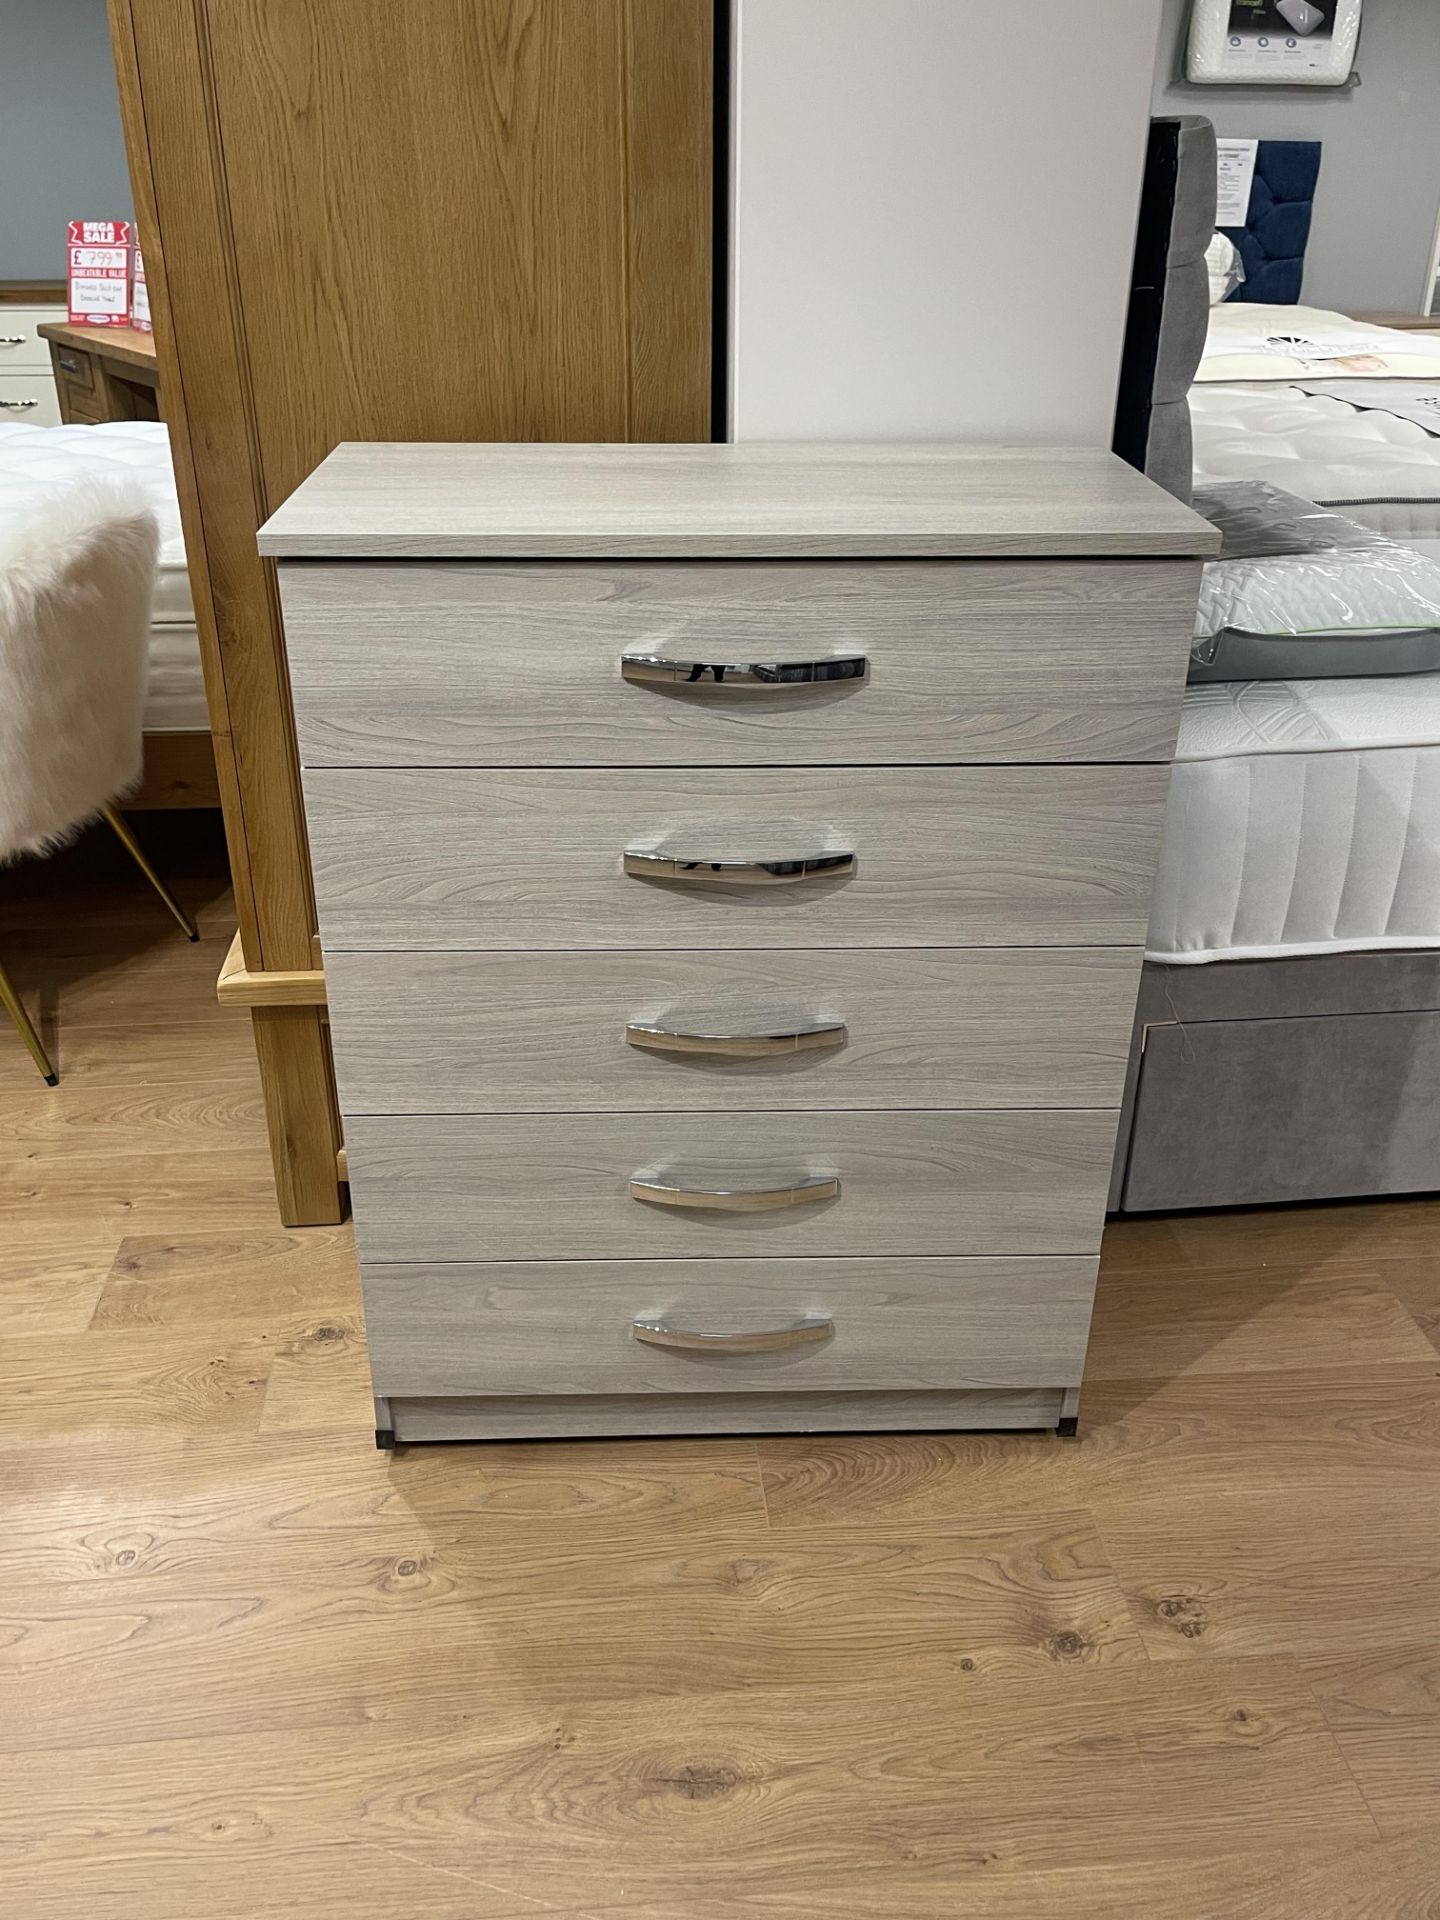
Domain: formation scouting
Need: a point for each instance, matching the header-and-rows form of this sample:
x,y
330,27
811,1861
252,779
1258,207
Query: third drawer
x,y
562,1186
838,1027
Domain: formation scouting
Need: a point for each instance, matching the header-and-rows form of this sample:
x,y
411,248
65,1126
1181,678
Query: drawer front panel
x,y
21,345
943,856
559,1186
29,399
76,369
465,664
569,1327
706,1032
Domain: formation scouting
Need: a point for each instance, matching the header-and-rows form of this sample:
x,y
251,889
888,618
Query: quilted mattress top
x,y
33,457
1309,716
1323,449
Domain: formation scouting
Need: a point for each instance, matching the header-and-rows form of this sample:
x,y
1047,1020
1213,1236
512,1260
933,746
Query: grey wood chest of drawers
x,y
732,866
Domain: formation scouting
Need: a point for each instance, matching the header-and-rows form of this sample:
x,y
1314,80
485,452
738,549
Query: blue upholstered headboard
x,y
1273,239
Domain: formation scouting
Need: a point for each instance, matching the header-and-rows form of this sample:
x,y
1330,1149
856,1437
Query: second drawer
x,y
907,856
561,1186
577,1032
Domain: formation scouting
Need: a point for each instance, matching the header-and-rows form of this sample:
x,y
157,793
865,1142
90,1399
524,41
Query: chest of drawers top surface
x,y
779,500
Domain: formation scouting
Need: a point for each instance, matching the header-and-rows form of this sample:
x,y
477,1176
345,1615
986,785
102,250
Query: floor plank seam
x,y
1132,1605
760,1479
473,1880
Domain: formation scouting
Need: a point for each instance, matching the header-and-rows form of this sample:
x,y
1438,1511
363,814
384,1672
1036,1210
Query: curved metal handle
x,y
665,1190
656,1331
738,873
661,670
68,362
741,1046
12,339
18,406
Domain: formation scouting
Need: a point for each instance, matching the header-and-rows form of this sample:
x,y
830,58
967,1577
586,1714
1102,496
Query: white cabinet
x,y
27,386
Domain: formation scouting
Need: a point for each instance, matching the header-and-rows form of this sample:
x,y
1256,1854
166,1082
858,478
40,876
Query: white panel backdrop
x,y
933,215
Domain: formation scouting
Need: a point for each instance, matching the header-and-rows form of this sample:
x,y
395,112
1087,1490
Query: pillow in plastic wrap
x,y
1302,592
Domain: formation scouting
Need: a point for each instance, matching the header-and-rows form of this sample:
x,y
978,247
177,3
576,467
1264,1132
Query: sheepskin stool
x,y
77,573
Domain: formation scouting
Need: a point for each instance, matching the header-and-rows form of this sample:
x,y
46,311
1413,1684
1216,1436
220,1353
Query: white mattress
x,y
38,457
1380,470
1304,817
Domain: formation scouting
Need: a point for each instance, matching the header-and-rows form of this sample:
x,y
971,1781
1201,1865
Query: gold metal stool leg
x,y
132,846
15,1007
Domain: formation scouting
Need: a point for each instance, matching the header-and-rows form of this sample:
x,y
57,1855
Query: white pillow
x,y
1367,590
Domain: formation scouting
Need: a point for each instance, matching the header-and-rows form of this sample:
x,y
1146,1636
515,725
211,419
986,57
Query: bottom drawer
x,y
580,1186
753,1326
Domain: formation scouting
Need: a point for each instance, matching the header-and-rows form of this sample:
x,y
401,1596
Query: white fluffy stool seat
x,y
77,570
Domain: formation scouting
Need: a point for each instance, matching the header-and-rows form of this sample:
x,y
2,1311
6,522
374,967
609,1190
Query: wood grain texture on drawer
x,y
468,664
570,1326
559,1186
703,1032
943,856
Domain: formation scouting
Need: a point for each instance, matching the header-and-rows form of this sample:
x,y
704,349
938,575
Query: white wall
x,y
934,214
1379,191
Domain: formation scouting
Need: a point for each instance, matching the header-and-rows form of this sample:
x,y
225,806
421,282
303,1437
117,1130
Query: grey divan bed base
x,y
1309,1077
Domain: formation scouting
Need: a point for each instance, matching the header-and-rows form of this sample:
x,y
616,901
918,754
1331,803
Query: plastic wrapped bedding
x,y
1304,818
1299,591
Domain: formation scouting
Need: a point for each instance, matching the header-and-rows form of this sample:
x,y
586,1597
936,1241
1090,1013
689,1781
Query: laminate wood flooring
x,y
1188,1665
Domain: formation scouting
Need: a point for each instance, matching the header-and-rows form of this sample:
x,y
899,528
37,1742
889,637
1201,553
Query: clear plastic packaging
x,y
1302,591
1225,268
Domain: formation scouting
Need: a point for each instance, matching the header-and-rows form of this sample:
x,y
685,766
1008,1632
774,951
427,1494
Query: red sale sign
x,y
99,273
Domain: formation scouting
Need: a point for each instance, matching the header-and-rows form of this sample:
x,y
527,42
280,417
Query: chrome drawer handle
x,y
738,873
18,406
12,339
656,1331
664,1190
740,1046
659,670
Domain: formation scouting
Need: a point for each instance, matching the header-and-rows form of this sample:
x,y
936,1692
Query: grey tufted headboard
x,y
1169,302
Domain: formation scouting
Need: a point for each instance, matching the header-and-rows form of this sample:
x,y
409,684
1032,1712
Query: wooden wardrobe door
x,y
393,220
456,229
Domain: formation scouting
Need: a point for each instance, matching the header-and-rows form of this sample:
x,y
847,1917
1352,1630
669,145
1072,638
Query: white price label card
x,y
1236,178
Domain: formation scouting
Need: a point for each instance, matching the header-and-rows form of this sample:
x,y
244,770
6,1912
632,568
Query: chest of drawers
x,y
732,865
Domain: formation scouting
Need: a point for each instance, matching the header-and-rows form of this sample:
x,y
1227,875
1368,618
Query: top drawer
x,y
21,347
454,663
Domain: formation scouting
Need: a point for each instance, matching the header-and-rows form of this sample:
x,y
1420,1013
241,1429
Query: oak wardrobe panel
x,y
465,220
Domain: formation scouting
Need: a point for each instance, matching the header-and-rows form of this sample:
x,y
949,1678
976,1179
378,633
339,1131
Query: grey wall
x,y
62,156
1379,193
